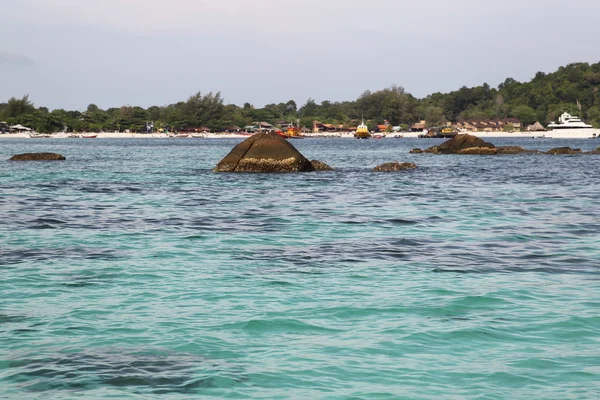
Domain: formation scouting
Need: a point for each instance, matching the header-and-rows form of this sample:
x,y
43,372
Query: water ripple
x,y
132,271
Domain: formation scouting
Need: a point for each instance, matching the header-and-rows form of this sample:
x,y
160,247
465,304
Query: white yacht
x,y
570,126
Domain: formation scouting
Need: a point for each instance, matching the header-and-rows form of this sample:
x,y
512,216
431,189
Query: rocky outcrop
x,y
458,143
597,151
468,144
264,152
478,150
38,157
394,166
515,150
320,166
564,150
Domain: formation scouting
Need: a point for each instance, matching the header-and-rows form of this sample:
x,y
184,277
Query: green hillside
x,y
574,88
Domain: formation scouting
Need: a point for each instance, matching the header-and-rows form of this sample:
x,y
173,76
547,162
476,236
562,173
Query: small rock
x,y
320,166
597,151
394,166
38,157
416,151
564,150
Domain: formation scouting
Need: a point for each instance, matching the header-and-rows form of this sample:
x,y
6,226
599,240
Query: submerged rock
x,y
264,152
38,157
320,166
564,150
394,166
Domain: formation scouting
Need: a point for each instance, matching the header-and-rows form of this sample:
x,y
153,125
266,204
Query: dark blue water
x,y
132,271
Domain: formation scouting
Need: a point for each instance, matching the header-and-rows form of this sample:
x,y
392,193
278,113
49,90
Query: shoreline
x,y
592,134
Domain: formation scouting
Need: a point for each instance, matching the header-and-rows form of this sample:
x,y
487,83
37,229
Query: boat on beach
x,y
39,135
89,135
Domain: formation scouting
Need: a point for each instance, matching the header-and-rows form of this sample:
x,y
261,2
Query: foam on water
x,y
132,271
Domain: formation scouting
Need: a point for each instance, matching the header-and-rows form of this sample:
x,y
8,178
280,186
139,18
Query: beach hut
x,y
233,128
419,126
20,128
537,127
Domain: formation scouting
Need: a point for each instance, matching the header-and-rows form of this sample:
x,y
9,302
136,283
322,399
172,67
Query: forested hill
x,y
574,88
542,99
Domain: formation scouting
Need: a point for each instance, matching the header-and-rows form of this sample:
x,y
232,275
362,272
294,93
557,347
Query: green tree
x,y
435,117
526,114
16,107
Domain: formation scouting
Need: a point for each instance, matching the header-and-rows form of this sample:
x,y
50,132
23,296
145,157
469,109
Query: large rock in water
x,y
460,143
264,152
38,157
394,166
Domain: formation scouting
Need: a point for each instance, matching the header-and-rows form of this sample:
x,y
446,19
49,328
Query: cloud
x,y
283,17
15,59
167,16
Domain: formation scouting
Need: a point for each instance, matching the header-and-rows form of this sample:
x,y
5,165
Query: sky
x,y
70,53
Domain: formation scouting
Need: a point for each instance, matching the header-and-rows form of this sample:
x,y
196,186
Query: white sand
x,y
121,135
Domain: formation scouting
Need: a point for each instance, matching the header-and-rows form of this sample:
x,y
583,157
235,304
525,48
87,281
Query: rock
x,y
320,166
38,157
416,151
264,152
564,150
479,150
515,150
597,151
394,166
459,142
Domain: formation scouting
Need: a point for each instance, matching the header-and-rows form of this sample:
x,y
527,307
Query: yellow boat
x,y
362,132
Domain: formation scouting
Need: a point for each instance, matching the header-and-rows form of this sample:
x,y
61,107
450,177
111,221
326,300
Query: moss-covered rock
x,y
394,166
38,157
320,166
264,152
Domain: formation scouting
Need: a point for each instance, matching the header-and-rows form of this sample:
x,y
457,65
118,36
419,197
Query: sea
x,y
132,271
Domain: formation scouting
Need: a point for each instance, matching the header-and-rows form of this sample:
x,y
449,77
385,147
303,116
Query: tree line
x,y
574,88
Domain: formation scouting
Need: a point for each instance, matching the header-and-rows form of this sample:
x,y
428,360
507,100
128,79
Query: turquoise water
x,y
131,271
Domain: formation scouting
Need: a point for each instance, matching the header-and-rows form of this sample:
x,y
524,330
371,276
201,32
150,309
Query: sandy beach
x,y
588,134
123,135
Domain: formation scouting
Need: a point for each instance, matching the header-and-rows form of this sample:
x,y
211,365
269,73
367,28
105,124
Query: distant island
x,y
574,88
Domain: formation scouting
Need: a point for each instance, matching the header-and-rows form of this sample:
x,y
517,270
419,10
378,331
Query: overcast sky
x,y
69,53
